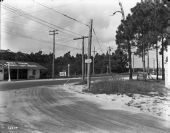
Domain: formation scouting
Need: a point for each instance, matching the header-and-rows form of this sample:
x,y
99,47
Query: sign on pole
x,y
88,61
62,74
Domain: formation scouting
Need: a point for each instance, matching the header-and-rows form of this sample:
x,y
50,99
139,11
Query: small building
x,y
19,70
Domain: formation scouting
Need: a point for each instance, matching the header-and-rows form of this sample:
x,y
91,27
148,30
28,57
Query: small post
x,y
107,69
9,75
68,70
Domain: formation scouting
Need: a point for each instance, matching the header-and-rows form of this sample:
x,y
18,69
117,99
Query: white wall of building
x,y
167,69
32,75
1,74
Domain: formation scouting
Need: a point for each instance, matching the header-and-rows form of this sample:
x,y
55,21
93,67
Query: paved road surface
x,y
50,109
4,85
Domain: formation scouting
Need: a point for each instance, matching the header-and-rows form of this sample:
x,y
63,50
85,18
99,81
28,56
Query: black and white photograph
x,y
84,66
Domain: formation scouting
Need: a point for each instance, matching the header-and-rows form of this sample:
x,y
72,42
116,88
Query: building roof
x,y
20,65
3,51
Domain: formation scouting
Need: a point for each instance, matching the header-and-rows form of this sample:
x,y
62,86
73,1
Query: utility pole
x,y
83,64
53,32
89,53
93,60
68,70
109,60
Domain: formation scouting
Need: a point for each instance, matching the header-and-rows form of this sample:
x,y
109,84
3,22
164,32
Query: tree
x,y
147,24
119,61
125,38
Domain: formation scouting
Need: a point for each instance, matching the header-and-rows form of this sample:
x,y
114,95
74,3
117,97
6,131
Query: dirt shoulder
x,y
151,105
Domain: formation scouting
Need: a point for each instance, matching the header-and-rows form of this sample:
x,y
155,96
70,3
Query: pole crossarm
x,y
52,32
80,37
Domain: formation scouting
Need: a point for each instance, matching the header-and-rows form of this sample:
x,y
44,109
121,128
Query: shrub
x,y
120,86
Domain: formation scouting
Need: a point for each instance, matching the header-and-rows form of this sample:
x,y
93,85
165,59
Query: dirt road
x,y
52,109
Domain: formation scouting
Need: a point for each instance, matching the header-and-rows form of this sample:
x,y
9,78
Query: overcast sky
x,y
19,32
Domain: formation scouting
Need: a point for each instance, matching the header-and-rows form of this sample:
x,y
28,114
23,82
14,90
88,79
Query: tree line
x,y
144,30
118,61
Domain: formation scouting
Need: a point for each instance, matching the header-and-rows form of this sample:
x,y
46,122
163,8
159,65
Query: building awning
x,y
20,65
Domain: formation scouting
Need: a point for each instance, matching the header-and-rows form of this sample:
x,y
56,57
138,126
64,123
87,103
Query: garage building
x,y
19,70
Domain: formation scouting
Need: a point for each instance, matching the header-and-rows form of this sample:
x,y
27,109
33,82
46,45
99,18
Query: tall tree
x,y
148,21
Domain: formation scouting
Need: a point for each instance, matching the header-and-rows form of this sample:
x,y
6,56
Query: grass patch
x,y
119,86
82,82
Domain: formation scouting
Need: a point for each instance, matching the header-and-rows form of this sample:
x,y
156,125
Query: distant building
x,y
3,51
19,70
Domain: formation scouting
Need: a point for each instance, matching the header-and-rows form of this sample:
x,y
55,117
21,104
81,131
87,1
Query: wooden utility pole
x,y
53,32
83,64
93,59
89,53
68,70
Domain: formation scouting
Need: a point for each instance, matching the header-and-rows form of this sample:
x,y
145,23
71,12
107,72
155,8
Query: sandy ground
x,y
66,109
153,105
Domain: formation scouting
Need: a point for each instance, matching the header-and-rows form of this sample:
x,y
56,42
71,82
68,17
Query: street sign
x,y
88,61
62,74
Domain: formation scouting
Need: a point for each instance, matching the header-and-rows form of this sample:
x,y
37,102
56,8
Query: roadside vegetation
x,y
128,87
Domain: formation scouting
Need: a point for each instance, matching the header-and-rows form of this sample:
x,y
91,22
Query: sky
x,y
24,24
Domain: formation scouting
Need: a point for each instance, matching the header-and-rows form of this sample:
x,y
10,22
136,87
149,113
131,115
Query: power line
x,y
65,15
41,21
34,29
97,40
43,41
19,26
61,40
